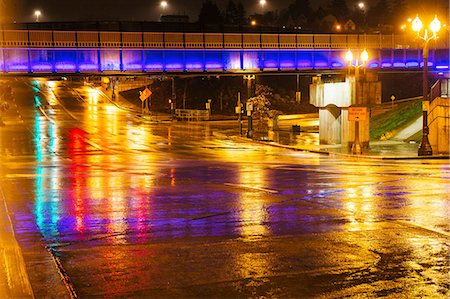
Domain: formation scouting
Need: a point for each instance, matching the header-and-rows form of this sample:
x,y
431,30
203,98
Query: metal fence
x,y
191,114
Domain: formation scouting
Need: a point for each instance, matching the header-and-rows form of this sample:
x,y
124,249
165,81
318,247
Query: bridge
x,y
91,52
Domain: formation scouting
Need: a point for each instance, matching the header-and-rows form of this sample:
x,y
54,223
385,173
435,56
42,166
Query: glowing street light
x,y
163,4
417,26
262,3
362,7
364,56
37,13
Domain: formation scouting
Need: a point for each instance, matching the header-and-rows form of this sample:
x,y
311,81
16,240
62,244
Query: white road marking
x,y
430,229
251,187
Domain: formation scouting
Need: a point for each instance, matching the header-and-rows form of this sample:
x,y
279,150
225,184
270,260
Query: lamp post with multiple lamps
x,y
356,147
417,26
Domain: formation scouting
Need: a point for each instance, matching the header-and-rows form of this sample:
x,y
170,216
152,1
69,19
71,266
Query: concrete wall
x,y
330,125
438,123
333,99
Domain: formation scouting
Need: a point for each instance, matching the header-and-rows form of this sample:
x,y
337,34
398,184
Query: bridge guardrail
x,y
179,40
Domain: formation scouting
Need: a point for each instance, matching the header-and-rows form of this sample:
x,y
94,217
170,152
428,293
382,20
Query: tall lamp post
x,y
425,146
356,147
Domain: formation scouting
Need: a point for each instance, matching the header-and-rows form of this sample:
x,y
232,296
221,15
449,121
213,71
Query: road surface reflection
x,y
137,208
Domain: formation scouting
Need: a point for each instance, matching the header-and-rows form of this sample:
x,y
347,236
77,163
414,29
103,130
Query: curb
x,y
332,154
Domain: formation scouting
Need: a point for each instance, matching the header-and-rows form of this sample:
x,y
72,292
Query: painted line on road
x,y
210,215
422,227
251,187
45,114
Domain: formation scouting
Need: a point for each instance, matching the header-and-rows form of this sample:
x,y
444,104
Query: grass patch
x,y
399,116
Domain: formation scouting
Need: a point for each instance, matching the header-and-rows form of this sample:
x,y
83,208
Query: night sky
x,y
139,10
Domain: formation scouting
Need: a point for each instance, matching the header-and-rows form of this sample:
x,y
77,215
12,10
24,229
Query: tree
x,y
379,14
209,13
339,9
241,14
261,104
399,12
231,13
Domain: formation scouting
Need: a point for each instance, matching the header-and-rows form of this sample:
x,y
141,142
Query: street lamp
x,y
417,26
163,6
356,147
37,13
362,7
262,3
349,57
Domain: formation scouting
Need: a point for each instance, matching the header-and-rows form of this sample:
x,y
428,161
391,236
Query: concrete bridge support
x,y
334,99
439,120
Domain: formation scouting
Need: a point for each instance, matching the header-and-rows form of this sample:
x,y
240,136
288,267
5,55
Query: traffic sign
x,y
357,113
145,94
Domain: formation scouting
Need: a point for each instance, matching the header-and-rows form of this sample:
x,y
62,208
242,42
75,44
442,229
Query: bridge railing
x,y
179,40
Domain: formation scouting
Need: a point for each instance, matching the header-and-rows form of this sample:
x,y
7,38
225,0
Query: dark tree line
x,y
300,14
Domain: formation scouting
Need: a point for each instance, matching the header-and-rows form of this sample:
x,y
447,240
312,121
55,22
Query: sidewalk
x,y
14,281
309,142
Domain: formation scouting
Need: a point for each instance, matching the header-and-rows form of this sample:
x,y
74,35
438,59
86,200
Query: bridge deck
x,y
35,51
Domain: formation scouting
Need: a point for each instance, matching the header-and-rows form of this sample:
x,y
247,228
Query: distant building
x,y
174,19
349,26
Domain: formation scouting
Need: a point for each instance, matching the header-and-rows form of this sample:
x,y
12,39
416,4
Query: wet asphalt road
x,y
138,209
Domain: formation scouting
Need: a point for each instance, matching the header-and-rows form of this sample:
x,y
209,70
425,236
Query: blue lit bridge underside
x,y
89,60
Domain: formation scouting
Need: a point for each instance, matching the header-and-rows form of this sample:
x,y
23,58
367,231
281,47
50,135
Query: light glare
x,y
364,56
417,24
349,56
435,25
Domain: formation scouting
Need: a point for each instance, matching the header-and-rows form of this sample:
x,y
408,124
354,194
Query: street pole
x,y
417,25
249,111
356,148
240,113
425,146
